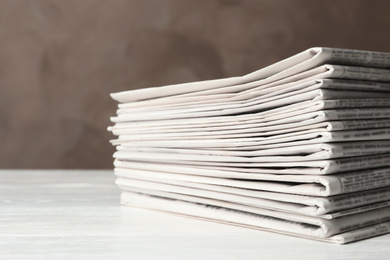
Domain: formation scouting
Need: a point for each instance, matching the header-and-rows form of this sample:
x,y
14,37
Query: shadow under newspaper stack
x,y
301,147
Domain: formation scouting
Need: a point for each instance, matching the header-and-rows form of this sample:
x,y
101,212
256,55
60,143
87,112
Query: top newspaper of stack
x,y
295,65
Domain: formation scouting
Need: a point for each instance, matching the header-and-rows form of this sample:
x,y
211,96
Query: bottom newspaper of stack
x,y
307,156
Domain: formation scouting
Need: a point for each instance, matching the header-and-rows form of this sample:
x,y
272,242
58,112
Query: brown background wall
x,y
59,60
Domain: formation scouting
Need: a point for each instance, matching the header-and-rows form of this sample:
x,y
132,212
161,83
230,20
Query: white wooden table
x,y
74,214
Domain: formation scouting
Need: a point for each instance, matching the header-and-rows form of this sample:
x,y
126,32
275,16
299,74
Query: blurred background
x,y
59,60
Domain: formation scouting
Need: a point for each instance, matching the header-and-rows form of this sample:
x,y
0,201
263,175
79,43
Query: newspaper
x,y
281,154
337,84
277,101
262,103
321,220
313,167
341,230
264,94
298,117
339,119
256,130
260,141
283,95
316,185
301,62
246,170
323,207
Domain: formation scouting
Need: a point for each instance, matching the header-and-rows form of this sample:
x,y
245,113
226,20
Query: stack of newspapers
x,y
301,147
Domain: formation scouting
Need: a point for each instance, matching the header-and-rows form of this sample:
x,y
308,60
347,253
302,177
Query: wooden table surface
x,y
75,214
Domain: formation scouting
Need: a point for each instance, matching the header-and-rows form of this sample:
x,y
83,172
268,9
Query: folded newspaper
x,y
301,147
